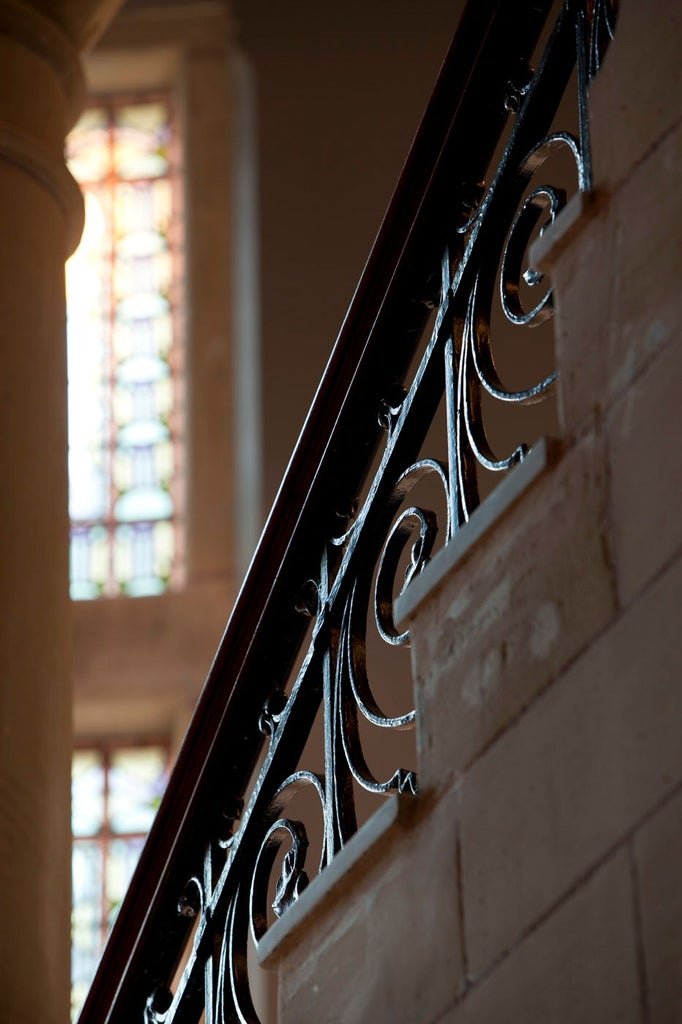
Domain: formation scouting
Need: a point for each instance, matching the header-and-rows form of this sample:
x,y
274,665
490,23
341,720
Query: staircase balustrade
x,y
454,243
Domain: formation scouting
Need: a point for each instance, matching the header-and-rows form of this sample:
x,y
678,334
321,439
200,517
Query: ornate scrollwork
x,y
158,1005
390,405
271,714
390,559
402,531
247,910
382,546
350,691
293,878
191,900
230,814
602,27
543,199
307,600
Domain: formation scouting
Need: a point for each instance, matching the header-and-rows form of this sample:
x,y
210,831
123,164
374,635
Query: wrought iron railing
x,y
293,654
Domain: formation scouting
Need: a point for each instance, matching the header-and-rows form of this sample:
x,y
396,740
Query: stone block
x,y
579,966
658,853
520,607
583,287
616,285
646,474
580,769
389,948
646,313
637,96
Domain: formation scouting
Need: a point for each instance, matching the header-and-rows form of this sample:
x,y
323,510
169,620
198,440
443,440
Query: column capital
x,y
83,21
40,34
43,92
49,170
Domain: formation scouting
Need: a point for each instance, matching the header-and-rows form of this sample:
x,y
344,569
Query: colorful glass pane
x,y
122,857
89,561
123,354
136,782
142,139
87,869
88,146
116,792
87,793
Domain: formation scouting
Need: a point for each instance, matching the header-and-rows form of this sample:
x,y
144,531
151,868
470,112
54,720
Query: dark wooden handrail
x,y
484,77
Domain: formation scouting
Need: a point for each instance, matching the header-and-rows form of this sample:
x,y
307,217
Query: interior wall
x,y
340,90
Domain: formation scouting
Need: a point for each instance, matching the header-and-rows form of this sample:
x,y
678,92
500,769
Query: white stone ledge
x,y
361,851
543,453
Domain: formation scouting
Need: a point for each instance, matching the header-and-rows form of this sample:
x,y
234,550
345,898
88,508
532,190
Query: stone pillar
x,y
41,211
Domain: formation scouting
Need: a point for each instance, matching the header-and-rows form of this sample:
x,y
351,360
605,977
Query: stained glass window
x,y
115,792
125,422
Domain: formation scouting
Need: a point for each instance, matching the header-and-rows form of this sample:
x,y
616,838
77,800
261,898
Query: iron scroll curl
x,y
348,584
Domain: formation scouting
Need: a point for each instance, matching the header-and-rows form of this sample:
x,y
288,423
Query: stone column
x,y
41,211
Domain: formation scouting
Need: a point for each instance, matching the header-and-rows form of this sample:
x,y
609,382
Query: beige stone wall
x,y
538,877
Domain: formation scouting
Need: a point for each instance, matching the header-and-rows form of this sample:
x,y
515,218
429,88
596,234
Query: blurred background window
x,y
115,792
123,284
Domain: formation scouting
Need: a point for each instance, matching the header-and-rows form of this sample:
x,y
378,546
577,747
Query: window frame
x,y
109,103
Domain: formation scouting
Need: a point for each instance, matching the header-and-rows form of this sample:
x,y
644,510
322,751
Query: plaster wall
x,y
340,90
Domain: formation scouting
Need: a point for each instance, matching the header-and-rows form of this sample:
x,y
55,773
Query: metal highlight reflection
x,y
462,259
